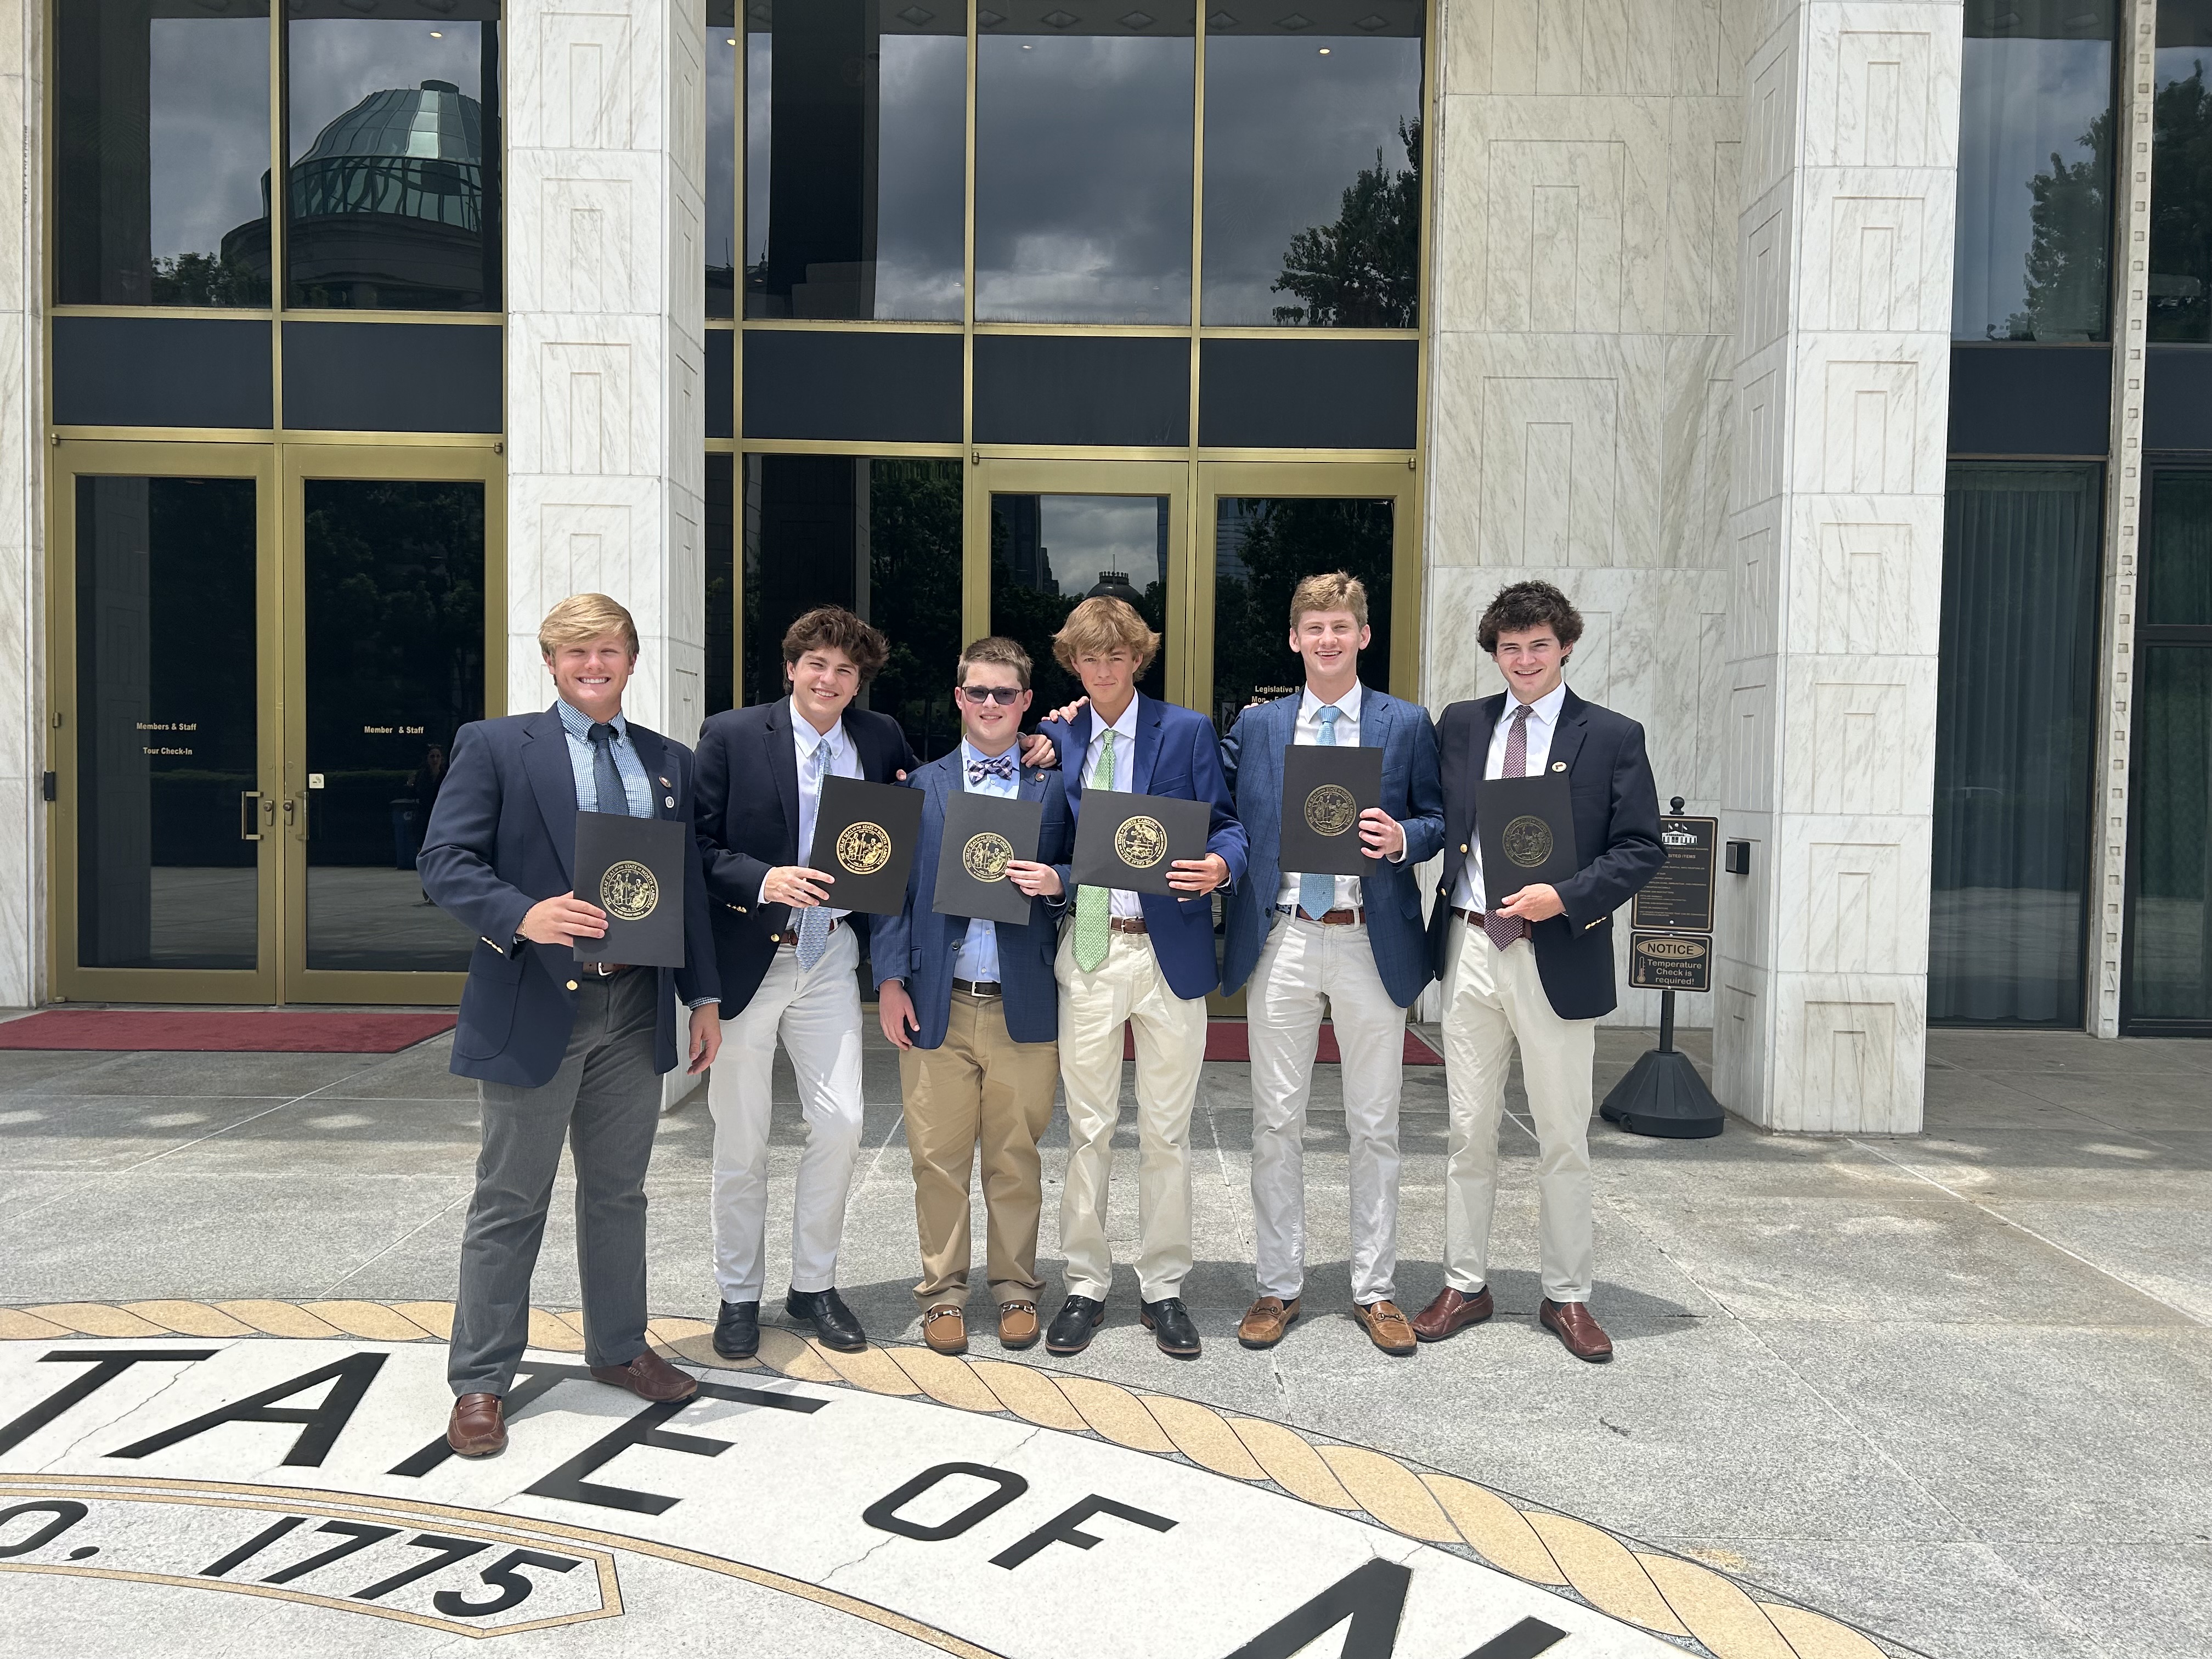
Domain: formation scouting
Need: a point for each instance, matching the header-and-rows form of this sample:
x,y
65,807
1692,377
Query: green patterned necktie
x,y
1093,905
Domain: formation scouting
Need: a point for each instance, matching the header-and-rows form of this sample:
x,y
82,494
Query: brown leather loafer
x,y
1570,1321
1387,1327
1451,1311
477,1427
1266,1320
944,1327
1017,1325
649,1377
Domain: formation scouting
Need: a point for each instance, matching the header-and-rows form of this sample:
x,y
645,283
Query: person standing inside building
x,y
1356,942
1141,959
973,1008
1535,971
561,1050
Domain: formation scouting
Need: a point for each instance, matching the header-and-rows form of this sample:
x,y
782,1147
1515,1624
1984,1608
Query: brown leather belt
x,y
1351,918
790,935
1127,924
977,988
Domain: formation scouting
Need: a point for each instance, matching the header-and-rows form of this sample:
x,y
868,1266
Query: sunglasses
x,y
1004,696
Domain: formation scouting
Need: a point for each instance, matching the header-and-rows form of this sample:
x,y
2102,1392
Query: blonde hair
x,y
1103,624
582,617
1331,590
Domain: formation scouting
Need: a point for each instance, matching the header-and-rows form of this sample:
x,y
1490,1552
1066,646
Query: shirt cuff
x,y
697,1003
1398,857
762,896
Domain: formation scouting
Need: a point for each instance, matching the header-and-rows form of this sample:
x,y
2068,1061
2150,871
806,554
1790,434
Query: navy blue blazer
x,y
1413,793
922,948
1178,755
501,836
1616,810
749,825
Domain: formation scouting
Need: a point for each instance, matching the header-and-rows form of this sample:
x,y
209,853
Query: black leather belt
x,y
977,988
606,969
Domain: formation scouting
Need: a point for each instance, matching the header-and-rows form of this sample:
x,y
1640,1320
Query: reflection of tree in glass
x,y
1363,271
2181,209
1283,540
206,279
2065,276
913,563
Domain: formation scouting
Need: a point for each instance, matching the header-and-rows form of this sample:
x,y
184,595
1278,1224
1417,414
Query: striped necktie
x,y
814,924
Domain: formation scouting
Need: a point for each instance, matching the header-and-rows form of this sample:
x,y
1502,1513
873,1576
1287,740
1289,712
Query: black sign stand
x,y
1663,1094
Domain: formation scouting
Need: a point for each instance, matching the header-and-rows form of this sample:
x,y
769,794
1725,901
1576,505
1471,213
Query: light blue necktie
x,y
1317,894
814,924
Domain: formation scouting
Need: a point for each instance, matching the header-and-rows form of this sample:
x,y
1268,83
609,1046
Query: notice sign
x,y
1681,896
1669,961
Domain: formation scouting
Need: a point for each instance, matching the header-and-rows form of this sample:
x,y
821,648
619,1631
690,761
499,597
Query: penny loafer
x,y
944,1327
1387,1327
1019,1326
1265,1321
649,1377
737,1330
1169,1323
1580,1335
832,1319
477,1427
1072,1326
1452,1311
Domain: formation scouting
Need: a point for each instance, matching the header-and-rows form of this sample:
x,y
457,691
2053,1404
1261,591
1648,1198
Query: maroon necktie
x,y
1503,929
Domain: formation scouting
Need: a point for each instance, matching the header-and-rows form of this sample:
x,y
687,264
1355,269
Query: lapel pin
x,y
668,800
665,784
1558,766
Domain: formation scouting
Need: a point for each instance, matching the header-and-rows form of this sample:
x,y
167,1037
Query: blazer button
x,y
1462,847
572,984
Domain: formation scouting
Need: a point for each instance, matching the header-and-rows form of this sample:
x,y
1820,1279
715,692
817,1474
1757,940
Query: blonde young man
x,y
561,1050
1355,943
1145,960
973,1010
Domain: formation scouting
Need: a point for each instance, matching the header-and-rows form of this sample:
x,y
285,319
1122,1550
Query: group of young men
x,y
992,1019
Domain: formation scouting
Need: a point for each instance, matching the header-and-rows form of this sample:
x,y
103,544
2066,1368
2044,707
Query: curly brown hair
x,y
833,627
1524,606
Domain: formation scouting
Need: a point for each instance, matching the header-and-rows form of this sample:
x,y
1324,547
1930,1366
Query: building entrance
x,y
261,655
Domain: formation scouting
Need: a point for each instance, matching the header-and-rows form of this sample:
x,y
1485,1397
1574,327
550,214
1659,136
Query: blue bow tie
x,y
999,766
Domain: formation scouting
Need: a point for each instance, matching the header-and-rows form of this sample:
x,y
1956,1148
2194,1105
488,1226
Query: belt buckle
x,y
606,969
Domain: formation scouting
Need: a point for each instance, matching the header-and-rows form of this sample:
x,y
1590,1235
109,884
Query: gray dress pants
x,y
605,1103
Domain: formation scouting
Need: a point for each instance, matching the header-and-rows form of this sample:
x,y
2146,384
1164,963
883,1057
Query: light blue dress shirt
x,y
636,785
979,949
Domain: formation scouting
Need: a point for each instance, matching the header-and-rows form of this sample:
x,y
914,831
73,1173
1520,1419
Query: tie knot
x,y
1522,711
603,733
1329,714
997,766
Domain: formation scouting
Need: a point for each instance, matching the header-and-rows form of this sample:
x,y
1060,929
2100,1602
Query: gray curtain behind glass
x,y
2014,733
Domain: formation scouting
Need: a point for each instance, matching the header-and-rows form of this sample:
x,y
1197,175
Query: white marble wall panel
x,y
22,539
606,429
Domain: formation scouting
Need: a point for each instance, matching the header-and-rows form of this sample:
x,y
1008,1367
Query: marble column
x,y
1836,554
22,537
606,434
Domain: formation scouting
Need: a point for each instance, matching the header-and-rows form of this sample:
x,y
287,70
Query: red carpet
x,y
222,1031
1225,1039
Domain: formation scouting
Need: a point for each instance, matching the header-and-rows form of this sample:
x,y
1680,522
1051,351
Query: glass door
x,y
165,765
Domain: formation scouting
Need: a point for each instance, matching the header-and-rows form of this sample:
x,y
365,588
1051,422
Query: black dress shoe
x,y
1072,1326
737,1330
1169,1323
832,1319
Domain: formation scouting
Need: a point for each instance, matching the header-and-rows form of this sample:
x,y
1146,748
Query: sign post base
x,y
1663,1094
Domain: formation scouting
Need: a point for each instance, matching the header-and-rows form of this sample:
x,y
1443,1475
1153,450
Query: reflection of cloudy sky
x,y
335,63
208,137
1083,147
1086,534
2022,100
721,180
1286,130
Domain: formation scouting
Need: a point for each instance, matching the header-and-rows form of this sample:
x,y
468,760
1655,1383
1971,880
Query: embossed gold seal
x,y
1527,841
1141,842
863,847
986,856
629,891
1331,811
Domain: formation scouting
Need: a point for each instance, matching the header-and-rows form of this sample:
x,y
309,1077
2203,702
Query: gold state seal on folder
x,y
1527,841
629,891
986,856
1141,842
864,848
1331,809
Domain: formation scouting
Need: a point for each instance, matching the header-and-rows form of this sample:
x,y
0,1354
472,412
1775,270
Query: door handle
x,y
249,815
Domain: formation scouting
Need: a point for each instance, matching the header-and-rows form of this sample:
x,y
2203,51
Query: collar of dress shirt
x,y
1125,728
1544,710
578,724
1310,706
969,752
810,739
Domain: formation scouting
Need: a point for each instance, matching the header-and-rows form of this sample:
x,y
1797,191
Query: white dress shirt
x,y
978,948
1125,903
843,761
1308,731
1543,720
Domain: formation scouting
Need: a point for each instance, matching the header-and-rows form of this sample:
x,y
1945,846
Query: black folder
x,y
983,833
1324,793
1130,842
632,869
1526,827
864,837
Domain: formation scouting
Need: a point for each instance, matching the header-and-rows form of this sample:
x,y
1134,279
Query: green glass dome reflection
x,y
414,151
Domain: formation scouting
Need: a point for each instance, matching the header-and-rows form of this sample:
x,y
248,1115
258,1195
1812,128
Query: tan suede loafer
x,y
1265,1321
1387,1327
1019,1326
944,1327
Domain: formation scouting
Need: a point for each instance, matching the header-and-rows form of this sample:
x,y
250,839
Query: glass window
x,y
1313,169
856,118
1049,553
161,152
2170,794
2181,175
722,689
1263,547
2035,170
2178,560
393,153
1083,164
167,728
721,172
881,538
2014,737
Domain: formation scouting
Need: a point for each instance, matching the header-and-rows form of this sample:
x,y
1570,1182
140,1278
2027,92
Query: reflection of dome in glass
x,y
1115,585
417,152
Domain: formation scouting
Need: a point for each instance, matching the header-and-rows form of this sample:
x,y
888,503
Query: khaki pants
x,y
1495,1000
979,1088
1127,987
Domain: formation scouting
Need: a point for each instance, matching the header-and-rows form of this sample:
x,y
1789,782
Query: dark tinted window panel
x,y
1100,390
721,407
2177,398
2020,400
160,371
885,388
390,377
1309,394
721,157
722,585
2177,564
2181,175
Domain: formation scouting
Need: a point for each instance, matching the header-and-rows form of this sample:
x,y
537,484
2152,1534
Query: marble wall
x,y
605,339
22,509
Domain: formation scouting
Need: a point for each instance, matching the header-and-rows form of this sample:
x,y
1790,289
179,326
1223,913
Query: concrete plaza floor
x,y
1953,1388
